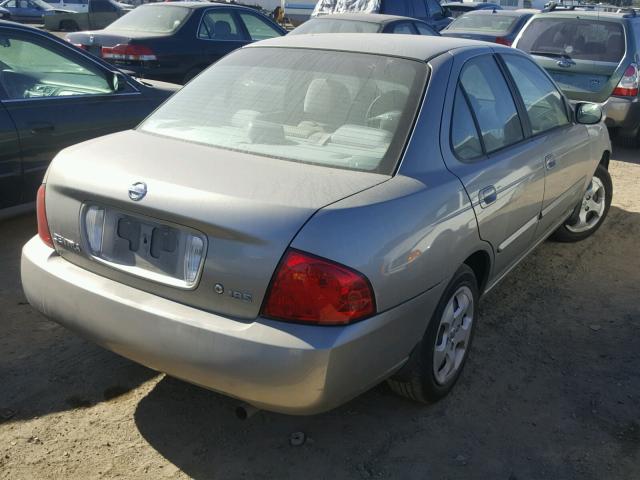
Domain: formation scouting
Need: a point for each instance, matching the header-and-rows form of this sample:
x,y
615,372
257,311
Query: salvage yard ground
x,y
551,390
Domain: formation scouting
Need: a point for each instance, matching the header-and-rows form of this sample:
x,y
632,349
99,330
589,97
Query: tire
x,y
418,380
591,212
69,26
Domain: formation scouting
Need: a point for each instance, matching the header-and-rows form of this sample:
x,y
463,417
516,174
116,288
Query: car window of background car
x,y
464,134
258,29
543,102
321,25
152,19
346,110
28,62
580,39
403,28
11,4
494,23
218,25
101,6
396,7
435,9
420,9
492,103
424,29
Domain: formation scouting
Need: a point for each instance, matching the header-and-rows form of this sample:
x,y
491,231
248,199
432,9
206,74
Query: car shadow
x,y
625,154
551,390
43,367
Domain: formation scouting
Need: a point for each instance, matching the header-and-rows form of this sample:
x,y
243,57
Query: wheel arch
x,y
480,263
604,160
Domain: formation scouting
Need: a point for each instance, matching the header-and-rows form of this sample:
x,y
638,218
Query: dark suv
x,y
429,11
593,56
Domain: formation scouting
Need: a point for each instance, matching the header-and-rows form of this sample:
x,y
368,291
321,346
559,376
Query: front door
x,y
10,165
56,98
489,153
564,146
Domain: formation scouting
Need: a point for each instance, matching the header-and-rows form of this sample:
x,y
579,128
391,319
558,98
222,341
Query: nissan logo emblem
x,y
137,191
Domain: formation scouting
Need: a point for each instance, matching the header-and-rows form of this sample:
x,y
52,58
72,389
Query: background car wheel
x,y
436,363
592,211
69,26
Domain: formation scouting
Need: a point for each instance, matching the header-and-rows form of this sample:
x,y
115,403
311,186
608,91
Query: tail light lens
x,y
310,289
630,82
41,213
502,41
140,53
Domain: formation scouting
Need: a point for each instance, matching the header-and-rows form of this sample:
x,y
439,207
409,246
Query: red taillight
x,y
41,213
629,84
310,289
502,41
128,53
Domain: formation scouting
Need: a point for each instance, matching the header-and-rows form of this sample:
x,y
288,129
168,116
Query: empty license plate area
x,y
164,253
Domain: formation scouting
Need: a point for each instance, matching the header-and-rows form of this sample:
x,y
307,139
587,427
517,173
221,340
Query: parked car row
x,y
293,226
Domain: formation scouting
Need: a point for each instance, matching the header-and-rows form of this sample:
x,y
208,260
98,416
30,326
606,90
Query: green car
x,y
593,56
101,14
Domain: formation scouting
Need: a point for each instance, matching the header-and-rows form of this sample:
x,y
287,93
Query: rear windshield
x,y
579,39
152,19
493,23
338,109
335,26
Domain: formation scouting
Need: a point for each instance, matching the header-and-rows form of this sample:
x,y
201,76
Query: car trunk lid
x,y
246,208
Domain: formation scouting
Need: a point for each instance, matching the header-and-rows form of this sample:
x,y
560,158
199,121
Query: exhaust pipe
x,y
245,411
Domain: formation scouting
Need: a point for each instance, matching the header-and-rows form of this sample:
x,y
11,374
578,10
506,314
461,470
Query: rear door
x,y
565,144
101,14
57,98
219,33
485,146
10,164
583,55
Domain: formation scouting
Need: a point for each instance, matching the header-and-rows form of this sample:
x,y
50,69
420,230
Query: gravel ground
x,y
551,389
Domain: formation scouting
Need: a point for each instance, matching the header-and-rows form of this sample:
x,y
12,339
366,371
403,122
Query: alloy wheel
x,y
592,208
454,334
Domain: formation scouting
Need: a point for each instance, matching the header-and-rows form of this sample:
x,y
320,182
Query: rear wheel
x,y
592,210
437,362
69,26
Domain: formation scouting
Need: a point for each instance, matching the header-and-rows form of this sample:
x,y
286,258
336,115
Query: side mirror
x,y
117,81
588,113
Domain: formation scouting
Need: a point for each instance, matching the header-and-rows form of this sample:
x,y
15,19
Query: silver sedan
x,y
313,215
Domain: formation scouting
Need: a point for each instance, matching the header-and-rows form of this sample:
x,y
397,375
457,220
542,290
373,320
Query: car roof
x,y
501,13
198,5
365,17
591,14
416,47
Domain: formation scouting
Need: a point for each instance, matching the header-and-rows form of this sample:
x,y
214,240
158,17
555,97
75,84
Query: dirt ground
x,y
551,390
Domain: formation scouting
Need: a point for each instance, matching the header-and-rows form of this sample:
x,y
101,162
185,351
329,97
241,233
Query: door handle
x,y
488,196
549,161
40,128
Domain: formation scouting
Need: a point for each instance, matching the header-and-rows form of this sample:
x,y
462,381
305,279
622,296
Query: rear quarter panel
x,y
411,233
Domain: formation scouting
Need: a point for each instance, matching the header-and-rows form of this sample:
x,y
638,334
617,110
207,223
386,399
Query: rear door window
x,y
492,103
218,25
545,107
403,28
580,39
464,134
258,28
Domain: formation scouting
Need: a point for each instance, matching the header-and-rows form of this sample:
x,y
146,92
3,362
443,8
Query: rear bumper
x,y
289,368
623,113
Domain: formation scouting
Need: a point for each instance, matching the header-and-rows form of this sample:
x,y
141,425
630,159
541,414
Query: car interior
x,y
28,70
342,118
